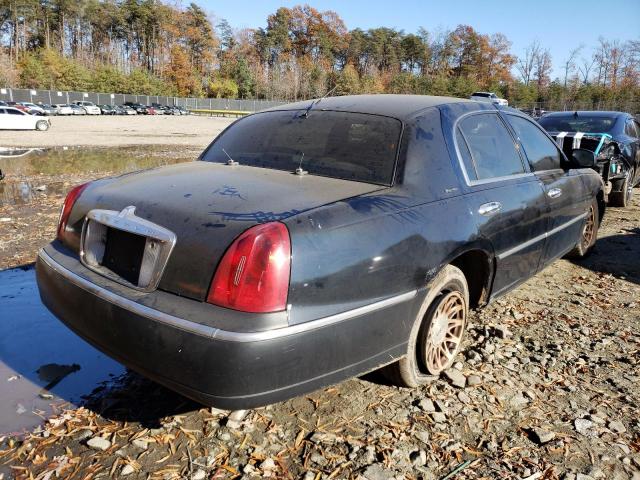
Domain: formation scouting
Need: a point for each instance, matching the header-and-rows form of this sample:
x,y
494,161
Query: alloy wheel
x,y
445,333
589,228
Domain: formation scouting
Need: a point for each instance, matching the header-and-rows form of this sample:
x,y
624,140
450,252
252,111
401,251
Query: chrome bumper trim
x,y
212,332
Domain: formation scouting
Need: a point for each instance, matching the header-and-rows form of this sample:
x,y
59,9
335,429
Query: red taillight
x,y
72,196
253,275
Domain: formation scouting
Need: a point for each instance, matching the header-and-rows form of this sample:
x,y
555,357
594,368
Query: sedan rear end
x,y
185,273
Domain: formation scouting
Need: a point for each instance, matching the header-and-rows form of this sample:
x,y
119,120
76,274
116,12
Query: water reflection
x,y
42,363
29,173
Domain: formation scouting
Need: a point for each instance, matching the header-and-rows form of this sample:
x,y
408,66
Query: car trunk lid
x,y
207,205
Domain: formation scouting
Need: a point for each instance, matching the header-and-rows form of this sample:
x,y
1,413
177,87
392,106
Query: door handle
x,y
490,208
554,193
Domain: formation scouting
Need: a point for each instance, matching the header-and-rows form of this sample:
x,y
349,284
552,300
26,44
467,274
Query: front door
x,y
565,194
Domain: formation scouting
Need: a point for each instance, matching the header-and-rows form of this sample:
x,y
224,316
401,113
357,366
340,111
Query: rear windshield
x,y
580,123
350,146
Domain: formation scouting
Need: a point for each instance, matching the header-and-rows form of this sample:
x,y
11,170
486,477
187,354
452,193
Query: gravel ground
x,y
547,387
108,130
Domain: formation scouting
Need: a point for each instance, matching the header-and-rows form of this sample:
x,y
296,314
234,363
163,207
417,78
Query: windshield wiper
x,y
231,161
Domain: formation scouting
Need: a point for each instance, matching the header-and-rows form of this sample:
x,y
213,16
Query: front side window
x,y
491,146
350,146
541,152
630,129
15,112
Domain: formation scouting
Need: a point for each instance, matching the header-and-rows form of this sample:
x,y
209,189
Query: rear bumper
x,y
223,368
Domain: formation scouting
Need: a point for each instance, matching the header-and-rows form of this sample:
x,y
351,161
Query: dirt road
x,y
547,388
108,131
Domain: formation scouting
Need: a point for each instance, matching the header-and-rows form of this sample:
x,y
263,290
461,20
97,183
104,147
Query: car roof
x,y
390,105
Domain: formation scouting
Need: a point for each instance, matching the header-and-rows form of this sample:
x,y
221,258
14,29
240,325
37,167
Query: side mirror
x,y
582,158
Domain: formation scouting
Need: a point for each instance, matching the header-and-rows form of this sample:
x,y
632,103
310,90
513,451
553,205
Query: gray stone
x,y
542,435
377,472
582,476
427,405
463,397
325,438
456,378
439,417
199,475
473,380
502,332
318,459
617,426
83,435
140,443
234,421
99,443
238,415
370,455
234,424
583,426
127,470
249,469
218,412
423,436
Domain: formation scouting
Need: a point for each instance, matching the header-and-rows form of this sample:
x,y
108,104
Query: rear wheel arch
x,y
478,267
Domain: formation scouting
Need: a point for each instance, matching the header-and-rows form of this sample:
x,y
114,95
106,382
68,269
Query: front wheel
x,y
589,233
621,197
436,336
42,125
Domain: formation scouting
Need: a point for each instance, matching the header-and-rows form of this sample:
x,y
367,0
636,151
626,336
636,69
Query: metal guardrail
x,y
56,97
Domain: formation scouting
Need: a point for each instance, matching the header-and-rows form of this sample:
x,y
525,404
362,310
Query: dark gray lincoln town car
x,y
317,241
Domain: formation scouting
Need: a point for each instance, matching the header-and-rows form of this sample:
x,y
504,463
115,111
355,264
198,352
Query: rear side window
x,y
350,146
541,152
466,156
491,146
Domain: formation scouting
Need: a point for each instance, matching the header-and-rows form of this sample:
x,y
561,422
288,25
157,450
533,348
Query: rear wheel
x,y
436,336
42,125
589,233
621,196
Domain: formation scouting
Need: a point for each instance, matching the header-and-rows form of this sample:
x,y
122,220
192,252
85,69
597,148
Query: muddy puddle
x,y
43,365
31,172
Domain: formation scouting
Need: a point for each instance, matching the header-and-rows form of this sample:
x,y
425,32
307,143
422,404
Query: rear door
x,y
506,199
566,196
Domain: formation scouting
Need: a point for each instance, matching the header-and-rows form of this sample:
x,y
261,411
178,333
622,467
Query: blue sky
x,y
558,25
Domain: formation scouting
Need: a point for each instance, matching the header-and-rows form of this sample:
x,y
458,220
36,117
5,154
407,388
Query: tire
x,y
588,234
621,197
42,125
429,352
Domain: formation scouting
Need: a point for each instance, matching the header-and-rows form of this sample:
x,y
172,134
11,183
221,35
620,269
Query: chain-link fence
x,y
53,97
58,97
